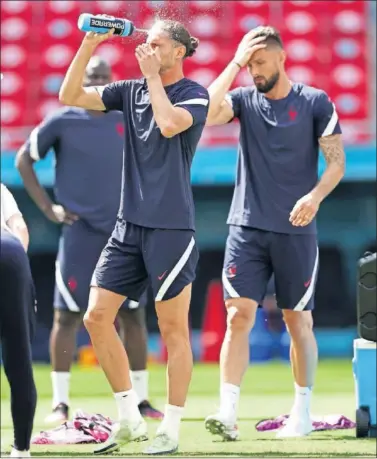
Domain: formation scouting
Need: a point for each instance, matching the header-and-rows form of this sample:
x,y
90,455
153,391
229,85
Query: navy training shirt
x,y
278,154
88,159
156,183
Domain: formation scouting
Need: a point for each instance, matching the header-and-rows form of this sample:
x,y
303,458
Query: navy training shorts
x,y
137,258
253,255
80,247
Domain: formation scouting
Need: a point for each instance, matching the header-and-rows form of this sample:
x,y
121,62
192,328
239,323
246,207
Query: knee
x,y
66,320
132,319
94,320
173,332
299,323
240,315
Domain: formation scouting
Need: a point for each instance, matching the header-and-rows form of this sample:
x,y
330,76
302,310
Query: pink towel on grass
x,y
83,429
329,422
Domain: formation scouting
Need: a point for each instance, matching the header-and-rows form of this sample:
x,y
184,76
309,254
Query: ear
x,y
283,57
181,51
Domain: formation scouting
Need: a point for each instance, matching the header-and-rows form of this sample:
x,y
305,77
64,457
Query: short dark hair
x,y
271,35
178,32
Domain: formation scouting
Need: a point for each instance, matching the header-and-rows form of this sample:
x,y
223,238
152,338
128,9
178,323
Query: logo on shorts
x,y
120,129
162,276
232,271
72,284
307,283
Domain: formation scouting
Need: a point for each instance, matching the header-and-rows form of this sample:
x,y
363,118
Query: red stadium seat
x,y
327,47
22,9
248,15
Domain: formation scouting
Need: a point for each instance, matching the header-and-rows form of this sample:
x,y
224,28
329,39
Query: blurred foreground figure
x,y
17,319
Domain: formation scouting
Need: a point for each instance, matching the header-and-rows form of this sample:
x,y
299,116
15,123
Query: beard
x,y
268,85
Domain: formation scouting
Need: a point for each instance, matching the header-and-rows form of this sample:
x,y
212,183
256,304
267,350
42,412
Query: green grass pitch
x,y
267,391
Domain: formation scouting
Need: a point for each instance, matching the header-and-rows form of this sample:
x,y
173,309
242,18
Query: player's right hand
x,y
248,46
58,214
94,39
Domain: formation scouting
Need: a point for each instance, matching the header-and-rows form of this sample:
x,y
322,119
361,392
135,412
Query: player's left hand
x,y
305,210
149,60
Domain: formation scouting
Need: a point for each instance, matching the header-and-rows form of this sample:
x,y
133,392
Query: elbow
x,y
169,130
64,98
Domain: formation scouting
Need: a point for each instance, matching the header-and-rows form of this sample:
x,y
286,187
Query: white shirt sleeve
x,y
9,206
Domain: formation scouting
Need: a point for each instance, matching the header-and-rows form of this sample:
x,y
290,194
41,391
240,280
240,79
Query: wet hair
x,y
271,35
178,32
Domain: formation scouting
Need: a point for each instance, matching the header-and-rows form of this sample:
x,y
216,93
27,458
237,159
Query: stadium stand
x,y
328,47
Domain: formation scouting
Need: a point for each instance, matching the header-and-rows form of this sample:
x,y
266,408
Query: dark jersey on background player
x,y
80,139
154,240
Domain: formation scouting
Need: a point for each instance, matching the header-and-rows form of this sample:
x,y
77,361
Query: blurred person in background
x,y
17,321
272,217
88,148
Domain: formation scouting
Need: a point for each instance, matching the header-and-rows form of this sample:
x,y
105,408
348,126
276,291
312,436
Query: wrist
x,y
46,207
88,46
154,77
317,195
236,64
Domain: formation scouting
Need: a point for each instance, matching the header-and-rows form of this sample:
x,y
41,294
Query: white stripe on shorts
x,y
67,297
175,271
229,287
300,306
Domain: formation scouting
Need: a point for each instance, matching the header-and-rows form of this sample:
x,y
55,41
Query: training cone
x,y
214,323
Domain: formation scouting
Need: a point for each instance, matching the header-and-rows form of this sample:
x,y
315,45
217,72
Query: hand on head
x,y
248,46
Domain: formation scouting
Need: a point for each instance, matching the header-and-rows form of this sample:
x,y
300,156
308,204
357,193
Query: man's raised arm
x,y
72,91
221,110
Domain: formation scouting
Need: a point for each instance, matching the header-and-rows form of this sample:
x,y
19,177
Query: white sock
x,y
139,381
16,453
301,405
172,421
229,397
127,406
60,387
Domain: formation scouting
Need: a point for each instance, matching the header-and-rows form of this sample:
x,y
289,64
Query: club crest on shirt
x,y
292,114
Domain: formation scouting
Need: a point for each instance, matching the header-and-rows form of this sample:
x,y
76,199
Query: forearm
x,y
333,151
164,112
328,182
33,187
72,86
220,87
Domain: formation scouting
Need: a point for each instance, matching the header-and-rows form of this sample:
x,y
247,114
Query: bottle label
x,y
97,22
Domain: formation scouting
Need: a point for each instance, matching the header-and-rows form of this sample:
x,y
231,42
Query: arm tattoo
x,y
332,148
